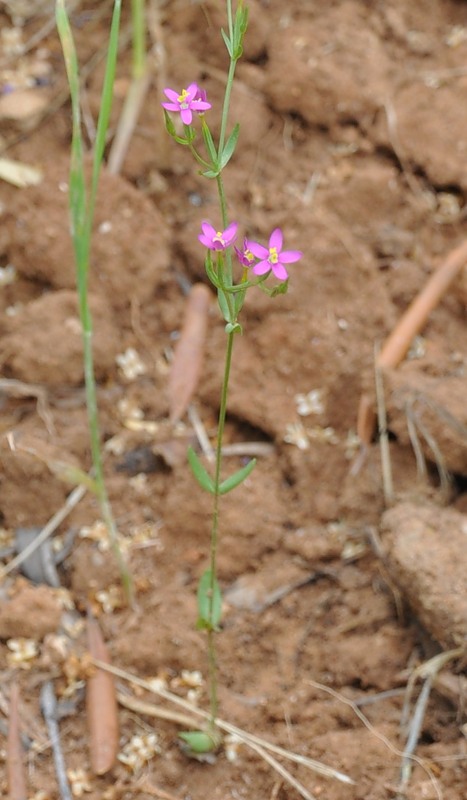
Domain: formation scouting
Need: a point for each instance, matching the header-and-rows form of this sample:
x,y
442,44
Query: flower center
x,y
273,257
182,99
248,255
218,237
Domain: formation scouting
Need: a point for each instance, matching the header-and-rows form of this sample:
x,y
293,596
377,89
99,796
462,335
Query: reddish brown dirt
x,y
353,140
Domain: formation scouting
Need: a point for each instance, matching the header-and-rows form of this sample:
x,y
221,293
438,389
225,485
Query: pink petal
x,y
171,106
208,230
192,91
171,95
275,240
258,250
261,267
289,256
204,240
280,271
230,232
186,116
200,105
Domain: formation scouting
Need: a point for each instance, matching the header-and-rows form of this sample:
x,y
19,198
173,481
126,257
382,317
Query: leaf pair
x,y
206,481
218,163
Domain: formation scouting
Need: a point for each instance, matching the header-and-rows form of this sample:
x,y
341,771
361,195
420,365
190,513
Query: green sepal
x,y
209,603
202,476
170,128
233,327
190,133
230,146
280,288
237,478
209,142
199,742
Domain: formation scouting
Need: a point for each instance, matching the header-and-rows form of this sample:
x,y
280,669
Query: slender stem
x,y
215,528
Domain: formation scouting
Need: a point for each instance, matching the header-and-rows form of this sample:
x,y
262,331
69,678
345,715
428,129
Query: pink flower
x,y
191,99
217,240
245,256
273,257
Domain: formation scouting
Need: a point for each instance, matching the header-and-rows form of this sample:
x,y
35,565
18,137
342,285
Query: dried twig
x,y
72,500
388,487
101,706
248,738
398,342
361,716
49,712
16,388
15,769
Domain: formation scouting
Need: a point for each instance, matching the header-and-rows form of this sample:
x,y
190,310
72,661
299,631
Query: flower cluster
x,y
190,99
253,255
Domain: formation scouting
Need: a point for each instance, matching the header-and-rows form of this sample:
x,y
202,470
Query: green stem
x,y
215,529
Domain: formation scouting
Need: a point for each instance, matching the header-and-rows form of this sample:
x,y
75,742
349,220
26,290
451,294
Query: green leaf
x,y
202,476
227,43
240,26
233,327
105,104
230,146
210,271
210,173
239,299
209,142
209,602
199,742
223,305
237,477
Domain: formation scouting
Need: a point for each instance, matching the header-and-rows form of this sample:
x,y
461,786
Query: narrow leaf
x,y
237,477
223,305
187,364
209,602
210,271
230,146
101,706
202,476
227,43
209,142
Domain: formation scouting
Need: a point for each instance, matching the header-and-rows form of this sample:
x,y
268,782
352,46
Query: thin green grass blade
x,y
106,104
78,204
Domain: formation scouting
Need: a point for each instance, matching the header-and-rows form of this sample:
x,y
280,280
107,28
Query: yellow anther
x,y
273,257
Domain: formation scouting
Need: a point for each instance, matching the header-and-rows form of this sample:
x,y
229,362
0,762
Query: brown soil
x,y
353,139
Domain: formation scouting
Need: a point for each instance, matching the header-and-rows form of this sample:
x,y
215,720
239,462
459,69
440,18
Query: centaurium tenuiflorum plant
x,y
257,263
